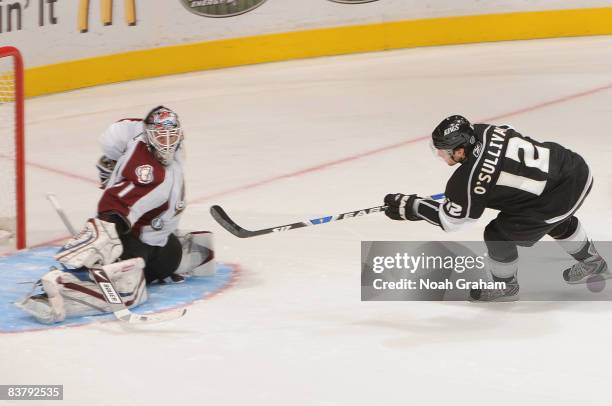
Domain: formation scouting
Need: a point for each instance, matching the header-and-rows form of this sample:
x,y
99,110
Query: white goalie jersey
x,y
148,195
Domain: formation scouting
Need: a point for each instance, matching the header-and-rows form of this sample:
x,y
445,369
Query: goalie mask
x,y
164,133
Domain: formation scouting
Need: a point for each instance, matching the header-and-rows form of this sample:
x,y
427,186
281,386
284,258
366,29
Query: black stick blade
x,y
226,222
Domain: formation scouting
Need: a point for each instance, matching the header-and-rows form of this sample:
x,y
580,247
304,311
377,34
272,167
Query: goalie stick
x,y
109,292
230,225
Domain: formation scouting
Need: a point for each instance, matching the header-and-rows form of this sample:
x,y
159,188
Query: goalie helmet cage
x,y
12,160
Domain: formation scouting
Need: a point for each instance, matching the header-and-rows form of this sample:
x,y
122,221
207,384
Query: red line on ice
x,y
379,150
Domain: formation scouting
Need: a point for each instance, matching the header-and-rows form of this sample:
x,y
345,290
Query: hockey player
x,y
536,186
141,173
144,193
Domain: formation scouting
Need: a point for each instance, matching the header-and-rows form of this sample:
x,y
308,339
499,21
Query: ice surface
x,y
280,142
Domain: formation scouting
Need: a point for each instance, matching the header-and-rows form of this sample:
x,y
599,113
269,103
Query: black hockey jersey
x,y
514,174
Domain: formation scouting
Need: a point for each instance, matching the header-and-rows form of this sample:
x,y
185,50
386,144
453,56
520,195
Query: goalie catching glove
x,y
105,167
401,207
97,244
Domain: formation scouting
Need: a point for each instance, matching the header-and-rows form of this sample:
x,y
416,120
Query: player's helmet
x,y
453,132
164,133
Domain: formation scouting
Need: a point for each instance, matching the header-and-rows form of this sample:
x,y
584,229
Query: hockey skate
x,y
586,269
509,294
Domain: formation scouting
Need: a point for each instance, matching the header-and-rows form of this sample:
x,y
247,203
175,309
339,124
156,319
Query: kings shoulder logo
x,y
144,174
221,8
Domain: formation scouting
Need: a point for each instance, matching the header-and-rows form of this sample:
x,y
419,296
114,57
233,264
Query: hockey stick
x,y
109,292
60,212
230,225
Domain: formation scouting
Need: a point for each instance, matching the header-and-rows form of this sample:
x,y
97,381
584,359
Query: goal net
x,y
12,203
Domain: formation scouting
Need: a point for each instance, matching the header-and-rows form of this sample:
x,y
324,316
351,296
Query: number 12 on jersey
x,y
515,145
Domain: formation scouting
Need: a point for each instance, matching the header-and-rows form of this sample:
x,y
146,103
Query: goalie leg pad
x,y
198,254
67,295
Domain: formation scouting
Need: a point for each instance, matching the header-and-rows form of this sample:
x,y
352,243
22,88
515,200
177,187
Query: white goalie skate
x,y
198,255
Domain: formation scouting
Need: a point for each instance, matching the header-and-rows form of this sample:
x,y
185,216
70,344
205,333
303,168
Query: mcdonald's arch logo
x,y
106,13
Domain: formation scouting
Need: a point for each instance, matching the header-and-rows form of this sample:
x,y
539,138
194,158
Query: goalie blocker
x,y
61,294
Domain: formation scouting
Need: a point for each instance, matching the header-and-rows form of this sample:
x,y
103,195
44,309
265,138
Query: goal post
x,y
12,155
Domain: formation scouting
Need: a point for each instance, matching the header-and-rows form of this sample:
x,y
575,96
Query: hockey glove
x,y
400,207
97,244
105,168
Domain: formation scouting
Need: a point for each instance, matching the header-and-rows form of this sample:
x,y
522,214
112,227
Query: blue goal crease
x,y
18,272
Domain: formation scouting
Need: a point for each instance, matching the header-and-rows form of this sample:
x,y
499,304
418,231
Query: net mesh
x,y
8,206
